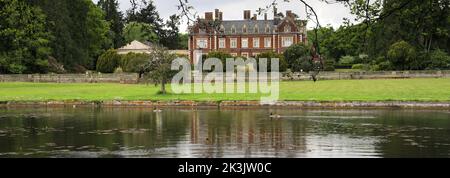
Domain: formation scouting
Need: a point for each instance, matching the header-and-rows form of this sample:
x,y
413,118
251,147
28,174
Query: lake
x,y
218,133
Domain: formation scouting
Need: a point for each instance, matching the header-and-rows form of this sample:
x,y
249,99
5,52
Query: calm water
x,y
208,133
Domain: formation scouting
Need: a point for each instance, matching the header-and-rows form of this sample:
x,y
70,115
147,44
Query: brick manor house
x,y
248,37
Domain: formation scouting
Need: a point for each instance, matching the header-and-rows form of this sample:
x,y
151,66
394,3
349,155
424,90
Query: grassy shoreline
x,y
420,90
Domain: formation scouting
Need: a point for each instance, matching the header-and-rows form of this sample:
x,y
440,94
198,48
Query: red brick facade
x,y
240,37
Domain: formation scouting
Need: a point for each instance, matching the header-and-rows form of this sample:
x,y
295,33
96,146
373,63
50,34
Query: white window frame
x,y
287,41
244,43
233,42
202,43
255,42
268,42
245,54
222,43
233,54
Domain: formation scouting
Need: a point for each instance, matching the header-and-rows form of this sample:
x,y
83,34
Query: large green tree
x,y
79,29
23,38
116,20
145,12
141,32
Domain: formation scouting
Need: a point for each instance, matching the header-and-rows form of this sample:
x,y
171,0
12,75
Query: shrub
x,y
134,62
329,65
108,61
358,66
347,60
402,55
385,66
439,60
118,70
272,55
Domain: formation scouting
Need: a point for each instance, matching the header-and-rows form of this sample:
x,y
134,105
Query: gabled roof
x,y
136,45
239,24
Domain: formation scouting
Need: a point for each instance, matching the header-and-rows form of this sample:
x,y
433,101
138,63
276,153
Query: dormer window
x,y
256,29
244,29
267,29
222,28
287,28
233,29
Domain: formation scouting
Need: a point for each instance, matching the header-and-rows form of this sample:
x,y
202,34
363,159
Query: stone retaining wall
x,y
125,78
370,75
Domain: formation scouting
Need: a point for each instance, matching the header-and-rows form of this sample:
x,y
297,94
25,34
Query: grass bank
x,y
333,90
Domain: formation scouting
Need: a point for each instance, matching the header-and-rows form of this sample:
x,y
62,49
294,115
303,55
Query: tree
x,y
171,33
158,67
402,54
115,19
23,38
79,29
141,32
183,41
149,15
283,65
299,58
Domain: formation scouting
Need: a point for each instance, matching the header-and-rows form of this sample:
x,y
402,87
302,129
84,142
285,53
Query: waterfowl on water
x,y
274,116
157,110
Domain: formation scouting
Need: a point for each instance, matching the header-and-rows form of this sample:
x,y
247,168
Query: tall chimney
x,y
220,16
265,16
289,14
209,16
247,14
275,12
216,14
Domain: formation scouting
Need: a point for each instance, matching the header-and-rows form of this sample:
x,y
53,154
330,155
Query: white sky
x,y
332,14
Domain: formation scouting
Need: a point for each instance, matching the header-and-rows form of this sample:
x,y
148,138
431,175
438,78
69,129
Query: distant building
x,y
135,47
139,47
248,37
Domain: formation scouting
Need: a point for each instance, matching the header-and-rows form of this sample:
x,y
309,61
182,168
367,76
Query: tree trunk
x,y
163,87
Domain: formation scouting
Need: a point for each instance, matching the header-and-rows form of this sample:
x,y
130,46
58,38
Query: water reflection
x,y
209,133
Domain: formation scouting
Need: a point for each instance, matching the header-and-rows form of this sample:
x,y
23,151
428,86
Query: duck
x,y
157,110
274,116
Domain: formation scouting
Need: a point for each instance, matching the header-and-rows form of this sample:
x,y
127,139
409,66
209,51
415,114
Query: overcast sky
x,y
233,9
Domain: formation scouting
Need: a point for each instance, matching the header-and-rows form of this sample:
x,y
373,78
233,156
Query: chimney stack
x,y
247,14
216,14
255,17
209,16
289,14
265,16
220,16
275,12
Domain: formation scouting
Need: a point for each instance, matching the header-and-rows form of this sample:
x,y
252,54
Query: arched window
x,y
233,29
222,28
244,29
267,29
256,29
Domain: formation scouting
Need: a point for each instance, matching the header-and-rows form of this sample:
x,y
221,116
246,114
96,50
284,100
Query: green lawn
x,y
332,90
